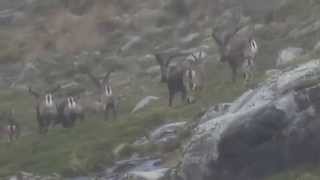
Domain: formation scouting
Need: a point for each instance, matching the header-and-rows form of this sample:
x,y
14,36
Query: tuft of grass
x,y
297,174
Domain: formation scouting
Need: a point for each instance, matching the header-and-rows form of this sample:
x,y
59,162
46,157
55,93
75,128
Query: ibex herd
x,y
189,75
50,113
185,76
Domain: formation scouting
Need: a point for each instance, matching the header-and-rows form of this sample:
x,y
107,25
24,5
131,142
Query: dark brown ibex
x,y
46,108
107,98
176,76
238,53
70,110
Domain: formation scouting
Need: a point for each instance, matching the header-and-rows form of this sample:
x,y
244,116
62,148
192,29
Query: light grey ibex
x,y
107,97
195,74
46,108
238,53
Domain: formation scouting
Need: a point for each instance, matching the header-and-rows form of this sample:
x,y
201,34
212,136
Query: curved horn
x,y
107,76
54,89
219,42
159,59
33,92
94,79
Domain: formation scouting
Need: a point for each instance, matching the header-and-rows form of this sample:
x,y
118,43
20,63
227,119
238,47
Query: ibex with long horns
x,y
107,98
238,53
46,108
178,77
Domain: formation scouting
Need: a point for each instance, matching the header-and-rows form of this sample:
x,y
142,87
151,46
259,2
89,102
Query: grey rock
x,y
132,42
147,175
267,129
153,70
288,55
190,38
215,111
144,168
166,134
143,103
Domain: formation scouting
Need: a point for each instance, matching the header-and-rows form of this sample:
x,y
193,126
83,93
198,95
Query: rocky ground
x,y
267,130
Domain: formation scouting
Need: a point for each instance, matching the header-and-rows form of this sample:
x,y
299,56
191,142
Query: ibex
x,y
12,129
196,72
70,110
238,53
178,77
107,98
46,108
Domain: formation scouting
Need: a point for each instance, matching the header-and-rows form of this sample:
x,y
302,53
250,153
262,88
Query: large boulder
x,y
268,129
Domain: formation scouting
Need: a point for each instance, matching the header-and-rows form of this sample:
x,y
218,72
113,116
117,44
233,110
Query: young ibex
x,y
239,54
180,78
13,128
70,110
46,108
107,98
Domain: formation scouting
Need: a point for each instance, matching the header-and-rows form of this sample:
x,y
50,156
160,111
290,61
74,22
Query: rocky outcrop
x,y
268,129
167,136
136,168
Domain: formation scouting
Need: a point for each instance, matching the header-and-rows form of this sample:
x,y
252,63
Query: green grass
x,y
298,174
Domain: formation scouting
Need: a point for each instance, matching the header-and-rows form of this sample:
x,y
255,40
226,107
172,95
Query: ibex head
x,y
71,102
46,95
164,62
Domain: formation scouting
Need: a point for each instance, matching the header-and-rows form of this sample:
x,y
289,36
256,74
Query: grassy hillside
x,y
49,29
88,147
